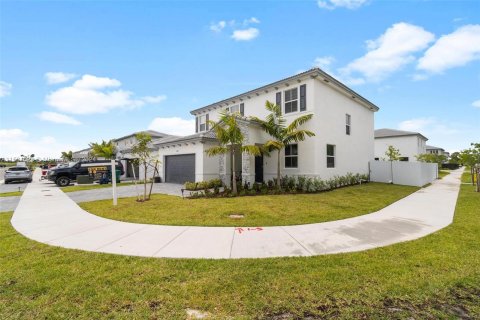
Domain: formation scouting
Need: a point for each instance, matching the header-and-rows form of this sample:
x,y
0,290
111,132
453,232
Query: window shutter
x,y
242,109
196,124
279,99
303,97
206,122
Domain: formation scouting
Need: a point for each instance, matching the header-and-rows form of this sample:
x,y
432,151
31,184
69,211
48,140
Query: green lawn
x,y
443,173
271,210
436,277
93,186
11,194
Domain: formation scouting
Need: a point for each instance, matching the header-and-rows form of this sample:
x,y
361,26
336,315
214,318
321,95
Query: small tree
x,y
141,150
432,158
454,158
67,156
471,157
230,137
105,149
282,135
392,154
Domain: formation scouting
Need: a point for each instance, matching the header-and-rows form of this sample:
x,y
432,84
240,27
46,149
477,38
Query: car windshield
x,y
71,164
18,169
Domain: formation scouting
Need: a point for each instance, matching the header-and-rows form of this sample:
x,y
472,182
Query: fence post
x,y
114,182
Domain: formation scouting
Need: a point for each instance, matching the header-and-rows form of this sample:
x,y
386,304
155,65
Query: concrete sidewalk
x,y
49,216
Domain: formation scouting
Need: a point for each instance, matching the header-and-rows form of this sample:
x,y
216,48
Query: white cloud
x,y
349,4
15,142
92,82
251,20
90,95
174,125
416,125
476,103
218,27
388,53
5,89
245,34
58,118
323,62
156,99
58,77
452,50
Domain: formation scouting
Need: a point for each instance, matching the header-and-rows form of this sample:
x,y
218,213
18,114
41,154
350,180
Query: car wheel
x,y
7,182
63,182
30,180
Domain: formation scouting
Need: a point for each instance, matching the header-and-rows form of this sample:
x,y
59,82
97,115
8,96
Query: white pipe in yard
x,y
114,183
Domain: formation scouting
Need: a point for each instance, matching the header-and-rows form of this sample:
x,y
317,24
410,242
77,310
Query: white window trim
x,y
328,156
200,123
285,101
348,123
297,155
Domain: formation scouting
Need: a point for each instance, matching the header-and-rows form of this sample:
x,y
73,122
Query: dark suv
x,y
63,176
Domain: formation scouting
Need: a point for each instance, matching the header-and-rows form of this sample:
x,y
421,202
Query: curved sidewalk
x,y
47,215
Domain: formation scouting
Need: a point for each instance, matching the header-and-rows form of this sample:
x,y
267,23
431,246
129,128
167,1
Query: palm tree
x,y
230,136
67,155
282,135
106,150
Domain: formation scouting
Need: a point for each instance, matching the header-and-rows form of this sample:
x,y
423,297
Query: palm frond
x,y
215,151
296,136
298,122
252,149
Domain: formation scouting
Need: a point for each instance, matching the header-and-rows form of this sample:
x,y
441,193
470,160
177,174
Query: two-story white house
x,y
437,150
343,123
410,144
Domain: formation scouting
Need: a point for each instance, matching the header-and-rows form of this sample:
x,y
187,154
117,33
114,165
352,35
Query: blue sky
x,y
74,72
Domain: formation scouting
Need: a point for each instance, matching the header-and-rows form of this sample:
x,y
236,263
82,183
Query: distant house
x,y
410,144
343,122
124,148
437,150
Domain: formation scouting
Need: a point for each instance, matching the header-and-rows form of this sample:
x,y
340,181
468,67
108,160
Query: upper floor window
x,y
237,108
291,100
291,156
348,120
330,156
202,123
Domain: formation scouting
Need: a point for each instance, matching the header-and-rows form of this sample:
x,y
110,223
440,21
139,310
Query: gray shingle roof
x,y
433,148
386,133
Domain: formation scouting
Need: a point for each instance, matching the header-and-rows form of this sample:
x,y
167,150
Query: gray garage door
x,y
180,168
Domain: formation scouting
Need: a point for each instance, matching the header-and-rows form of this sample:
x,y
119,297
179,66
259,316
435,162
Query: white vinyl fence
x,y
403,172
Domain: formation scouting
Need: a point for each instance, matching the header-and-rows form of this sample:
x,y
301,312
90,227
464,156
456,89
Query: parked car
x,y
64,176
18,174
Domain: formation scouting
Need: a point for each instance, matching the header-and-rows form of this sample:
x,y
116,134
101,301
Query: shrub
x,y
190,186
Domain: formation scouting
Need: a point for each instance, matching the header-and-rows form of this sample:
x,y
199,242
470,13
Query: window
x,y
330,156
403,159
291,100
376,159
202,123
234,109
291,156
348,123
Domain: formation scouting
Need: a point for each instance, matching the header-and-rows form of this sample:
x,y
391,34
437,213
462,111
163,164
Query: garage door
x,y
180,168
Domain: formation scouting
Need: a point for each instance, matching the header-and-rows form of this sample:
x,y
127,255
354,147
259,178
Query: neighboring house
x,y
410,144
343,122
437,150
124,148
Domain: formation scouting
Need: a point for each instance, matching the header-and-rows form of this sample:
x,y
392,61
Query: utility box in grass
x,y
84,179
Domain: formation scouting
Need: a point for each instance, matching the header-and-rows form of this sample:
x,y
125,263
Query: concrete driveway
x,y
10,203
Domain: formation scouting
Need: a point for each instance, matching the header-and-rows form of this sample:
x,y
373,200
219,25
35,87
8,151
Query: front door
x,y
259,169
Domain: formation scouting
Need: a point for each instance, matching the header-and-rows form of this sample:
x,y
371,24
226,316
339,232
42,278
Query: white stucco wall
x,y
403,173
408,146
329,108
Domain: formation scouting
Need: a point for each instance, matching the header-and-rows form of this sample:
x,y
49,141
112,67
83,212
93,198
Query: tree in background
x,y
67,156
230,137
471,157
454,158
392,154
105,149
282,135
142,151
432,158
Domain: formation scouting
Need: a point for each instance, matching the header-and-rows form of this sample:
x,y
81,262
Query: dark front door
x,y
180,168
259,169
